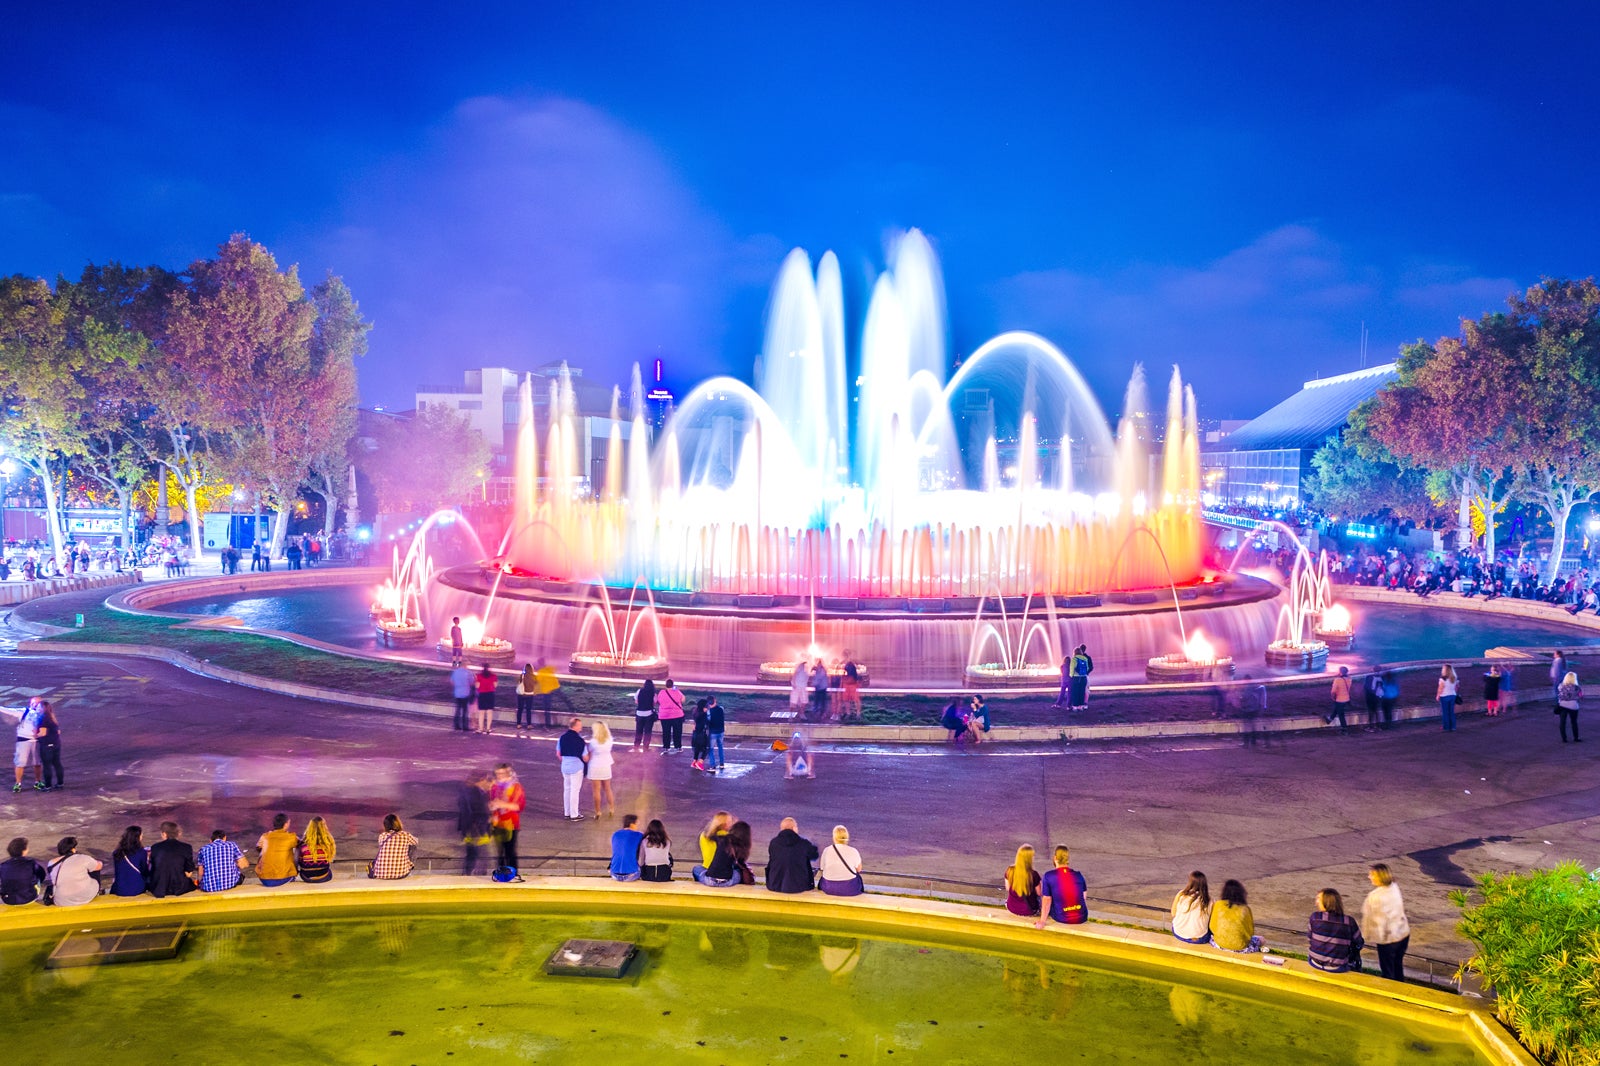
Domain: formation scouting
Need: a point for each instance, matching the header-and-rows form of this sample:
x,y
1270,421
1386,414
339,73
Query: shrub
x,y
1537,936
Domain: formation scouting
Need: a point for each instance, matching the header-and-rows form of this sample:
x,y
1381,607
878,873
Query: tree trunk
x,y
163,505
1560,514
52,510
1464,512
192,506
330,509
280,528
125,506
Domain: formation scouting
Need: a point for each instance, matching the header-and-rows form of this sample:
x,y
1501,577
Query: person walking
x,y
1447,697
670,701
1391,697
1383,922
716,725
571,750
485,683
546,684
507,801
1567,700
50,750
1082,667
472,820
1508,690
597,756
1341,700
1558,671
1374,693
461,691
850,691
644,715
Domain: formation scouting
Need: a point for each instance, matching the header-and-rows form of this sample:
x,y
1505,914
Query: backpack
x,y
505,874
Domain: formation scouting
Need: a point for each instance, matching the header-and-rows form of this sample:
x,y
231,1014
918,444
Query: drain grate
x,y
591,958
98,947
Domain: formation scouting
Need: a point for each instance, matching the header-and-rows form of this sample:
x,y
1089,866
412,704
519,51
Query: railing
x,y
1440,973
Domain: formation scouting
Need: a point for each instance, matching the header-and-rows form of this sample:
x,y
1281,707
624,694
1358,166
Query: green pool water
x,y
437,989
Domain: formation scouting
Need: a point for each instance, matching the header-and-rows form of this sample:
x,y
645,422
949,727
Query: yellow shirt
x,y
278,847
545,681
1231,926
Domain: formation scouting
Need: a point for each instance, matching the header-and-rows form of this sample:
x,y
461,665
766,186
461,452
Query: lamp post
x,y
7,468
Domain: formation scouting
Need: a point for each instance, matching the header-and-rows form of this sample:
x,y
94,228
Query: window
x,y
470,405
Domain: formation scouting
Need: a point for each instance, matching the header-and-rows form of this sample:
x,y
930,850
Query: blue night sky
x,y
1231,187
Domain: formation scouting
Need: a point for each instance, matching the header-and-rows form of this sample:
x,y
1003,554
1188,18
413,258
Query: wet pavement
x,y
145,742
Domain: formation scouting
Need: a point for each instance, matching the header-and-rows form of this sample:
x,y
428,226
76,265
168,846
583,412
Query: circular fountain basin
x,y
1176,668
391,635
634,667
419,975
780,672
1336,639
1311,656
924,642
998,675
490,650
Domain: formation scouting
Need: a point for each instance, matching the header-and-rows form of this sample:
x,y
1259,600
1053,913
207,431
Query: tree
x,y
47,363
433,460
1449,412
338,337
1355,474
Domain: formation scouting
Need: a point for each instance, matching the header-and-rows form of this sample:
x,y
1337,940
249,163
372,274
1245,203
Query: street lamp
x,y
7,468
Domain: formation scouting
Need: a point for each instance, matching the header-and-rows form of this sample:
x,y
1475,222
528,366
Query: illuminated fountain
x,y
790,517
1336,628
1198,661
607,649
396,608
1000,653
478,647
1296,646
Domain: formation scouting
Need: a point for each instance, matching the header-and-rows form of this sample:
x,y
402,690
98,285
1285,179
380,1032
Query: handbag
x,y
48,897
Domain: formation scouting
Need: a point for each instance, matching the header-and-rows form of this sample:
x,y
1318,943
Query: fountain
x,y
1010,644
1297,647
766,521
1198,661
396,608
478,647
1336,628
617,657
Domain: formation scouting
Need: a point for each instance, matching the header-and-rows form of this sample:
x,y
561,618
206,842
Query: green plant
x,y
1538,947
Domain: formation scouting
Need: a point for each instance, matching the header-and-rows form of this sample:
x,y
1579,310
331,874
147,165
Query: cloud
x,y
528,231
1247,327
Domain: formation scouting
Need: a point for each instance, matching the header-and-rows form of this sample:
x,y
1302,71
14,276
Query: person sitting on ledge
x,y
21,877
791,860
221,863
1335,938
1022,884
276,849
395,845
729,864
953,720
839,872
1233,927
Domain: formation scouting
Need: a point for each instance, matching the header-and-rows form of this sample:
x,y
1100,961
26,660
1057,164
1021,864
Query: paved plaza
x,y
144,742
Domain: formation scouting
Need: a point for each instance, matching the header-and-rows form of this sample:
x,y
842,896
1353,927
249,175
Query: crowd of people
x,y
720,856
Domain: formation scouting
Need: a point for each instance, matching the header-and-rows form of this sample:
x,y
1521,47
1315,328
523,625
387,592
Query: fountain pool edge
x,y
929,922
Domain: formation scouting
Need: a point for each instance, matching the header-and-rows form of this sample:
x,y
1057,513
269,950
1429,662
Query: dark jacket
x,y
790,859
472,812
714,719
171,862
724,863
20,880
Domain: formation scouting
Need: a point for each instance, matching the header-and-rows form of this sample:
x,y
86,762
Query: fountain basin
x,y
779,672
605,664
490,650
1309,656
401,634
1175,668
1336,639
998,675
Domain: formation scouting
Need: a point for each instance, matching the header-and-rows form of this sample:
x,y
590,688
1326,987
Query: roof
x,y
1320,409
